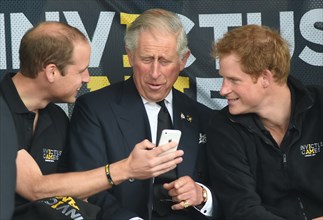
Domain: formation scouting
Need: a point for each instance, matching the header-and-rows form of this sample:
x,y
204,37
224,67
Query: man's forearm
x,y
33,185
141,164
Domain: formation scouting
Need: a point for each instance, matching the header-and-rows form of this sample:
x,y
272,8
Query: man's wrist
x,y
108,174
204,198
204,194
207,207
120,171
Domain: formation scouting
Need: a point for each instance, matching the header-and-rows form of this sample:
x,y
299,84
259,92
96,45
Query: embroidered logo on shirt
x,y
310,150
51,155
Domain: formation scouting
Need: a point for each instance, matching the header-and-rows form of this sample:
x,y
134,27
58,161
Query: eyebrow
x,y
82,70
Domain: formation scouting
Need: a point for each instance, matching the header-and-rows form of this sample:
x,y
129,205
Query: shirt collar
x,y
168,98
11,95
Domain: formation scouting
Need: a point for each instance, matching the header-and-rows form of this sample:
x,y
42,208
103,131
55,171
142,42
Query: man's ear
x,y
50,72
184,60
267,78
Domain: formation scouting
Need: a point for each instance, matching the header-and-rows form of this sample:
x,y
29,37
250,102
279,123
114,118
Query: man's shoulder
x,y
103,93
221,116
185,100
316,91
179,96
56,112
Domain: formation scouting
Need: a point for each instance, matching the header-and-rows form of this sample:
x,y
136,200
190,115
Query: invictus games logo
x,y
66,205
310,150
51,155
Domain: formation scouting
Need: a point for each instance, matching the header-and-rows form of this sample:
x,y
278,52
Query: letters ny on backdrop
x,y
300,22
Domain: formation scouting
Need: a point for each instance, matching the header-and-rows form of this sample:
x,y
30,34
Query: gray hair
x,y
161,20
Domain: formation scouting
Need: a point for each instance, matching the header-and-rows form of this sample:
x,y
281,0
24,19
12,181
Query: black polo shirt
x,y
49,138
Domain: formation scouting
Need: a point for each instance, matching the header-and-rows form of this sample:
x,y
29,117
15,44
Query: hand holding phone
x,y
169,135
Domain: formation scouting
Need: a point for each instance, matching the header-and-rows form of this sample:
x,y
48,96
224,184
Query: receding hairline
x,y
55,29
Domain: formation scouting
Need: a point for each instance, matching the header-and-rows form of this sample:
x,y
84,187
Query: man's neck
x,y
275,116
30,92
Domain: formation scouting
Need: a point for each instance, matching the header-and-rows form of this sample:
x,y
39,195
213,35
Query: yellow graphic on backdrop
x,y
125,60
182,82
127,19
97,82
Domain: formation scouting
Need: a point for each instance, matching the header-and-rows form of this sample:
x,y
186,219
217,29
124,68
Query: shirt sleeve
x,y
207,209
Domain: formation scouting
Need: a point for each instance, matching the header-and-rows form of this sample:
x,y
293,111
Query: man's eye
x,y
147,60
233,80
164,62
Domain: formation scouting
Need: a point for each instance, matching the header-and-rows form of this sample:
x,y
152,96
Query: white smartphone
x,y
167,136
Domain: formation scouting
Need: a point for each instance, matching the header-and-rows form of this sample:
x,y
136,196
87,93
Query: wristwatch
x,y
204,194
